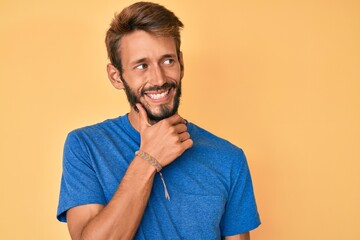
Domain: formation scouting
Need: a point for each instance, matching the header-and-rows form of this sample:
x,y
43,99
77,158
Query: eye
x,y
141,66
169,61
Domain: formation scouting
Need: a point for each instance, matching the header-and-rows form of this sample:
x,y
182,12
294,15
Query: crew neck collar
x,y
125,122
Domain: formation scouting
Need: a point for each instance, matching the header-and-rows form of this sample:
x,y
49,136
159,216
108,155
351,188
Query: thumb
x,y
143,118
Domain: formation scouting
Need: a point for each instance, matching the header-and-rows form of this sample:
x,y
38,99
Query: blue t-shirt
x,y
209,184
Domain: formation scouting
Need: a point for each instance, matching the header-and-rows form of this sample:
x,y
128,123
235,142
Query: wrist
x,y
150,159
142,167
156,166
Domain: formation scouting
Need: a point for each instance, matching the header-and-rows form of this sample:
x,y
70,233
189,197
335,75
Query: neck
x,y
134,119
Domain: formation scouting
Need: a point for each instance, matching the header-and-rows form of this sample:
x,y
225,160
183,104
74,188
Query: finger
x,y
143,118
176,119
187,143
180,128
184,136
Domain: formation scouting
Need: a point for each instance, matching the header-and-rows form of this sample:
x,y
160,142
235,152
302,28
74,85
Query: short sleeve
x,y
241,213
79,183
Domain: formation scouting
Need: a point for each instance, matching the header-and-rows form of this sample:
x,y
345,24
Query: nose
x,y
157,77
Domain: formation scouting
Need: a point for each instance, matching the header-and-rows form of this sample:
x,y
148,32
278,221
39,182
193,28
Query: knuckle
x,y
167,124
172,129
176,139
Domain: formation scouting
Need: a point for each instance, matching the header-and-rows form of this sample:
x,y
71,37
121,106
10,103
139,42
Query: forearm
x,y
243,236
122,216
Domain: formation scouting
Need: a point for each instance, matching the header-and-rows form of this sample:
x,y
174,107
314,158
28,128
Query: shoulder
x,y
95,131
99,135
213,148
207,139
91,143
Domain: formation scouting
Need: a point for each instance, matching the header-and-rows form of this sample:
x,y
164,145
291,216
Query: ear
x,y
181,60
114,76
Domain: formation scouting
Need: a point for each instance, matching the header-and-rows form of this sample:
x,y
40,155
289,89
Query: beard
x,y
165,111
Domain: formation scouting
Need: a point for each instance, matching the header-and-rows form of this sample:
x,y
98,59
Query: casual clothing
x,y
209,184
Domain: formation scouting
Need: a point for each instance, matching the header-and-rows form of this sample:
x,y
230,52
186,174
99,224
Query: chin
x,y
162,111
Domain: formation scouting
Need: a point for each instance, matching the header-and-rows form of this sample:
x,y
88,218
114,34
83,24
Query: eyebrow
x,y
141,60
168,56
138,61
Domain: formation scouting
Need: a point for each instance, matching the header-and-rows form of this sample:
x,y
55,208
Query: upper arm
x,y
243,236
240,213
78,217
80,183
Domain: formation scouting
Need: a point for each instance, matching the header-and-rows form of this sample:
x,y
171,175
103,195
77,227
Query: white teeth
x,y
157,95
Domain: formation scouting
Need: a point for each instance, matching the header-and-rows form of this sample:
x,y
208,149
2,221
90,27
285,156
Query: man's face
x,y
151,73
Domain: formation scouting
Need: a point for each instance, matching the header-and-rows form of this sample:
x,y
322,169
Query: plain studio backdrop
x,y
281,79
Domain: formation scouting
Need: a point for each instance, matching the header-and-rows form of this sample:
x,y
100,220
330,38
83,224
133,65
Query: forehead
x,y
142,45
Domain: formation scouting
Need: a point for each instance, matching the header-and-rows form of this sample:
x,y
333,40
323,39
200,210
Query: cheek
x,y
174,75
134,84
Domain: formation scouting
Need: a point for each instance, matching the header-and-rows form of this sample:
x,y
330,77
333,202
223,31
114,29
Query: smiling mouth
x,y
158,95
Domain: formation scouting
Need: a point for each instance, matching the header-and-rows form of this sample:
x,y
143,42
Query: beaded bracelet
x,y
150,159
157,166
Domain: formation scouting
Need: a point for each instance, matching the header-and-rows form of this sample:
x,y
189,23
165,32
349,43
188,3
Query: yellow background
x,y
281,79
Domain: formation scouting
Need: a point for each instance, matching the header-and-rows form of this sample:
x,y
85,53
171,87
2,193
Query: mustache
x,y
165,86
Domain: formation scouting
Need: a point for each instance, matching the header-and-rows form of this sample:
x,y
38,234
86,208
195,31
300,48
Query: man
x,y
110,186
